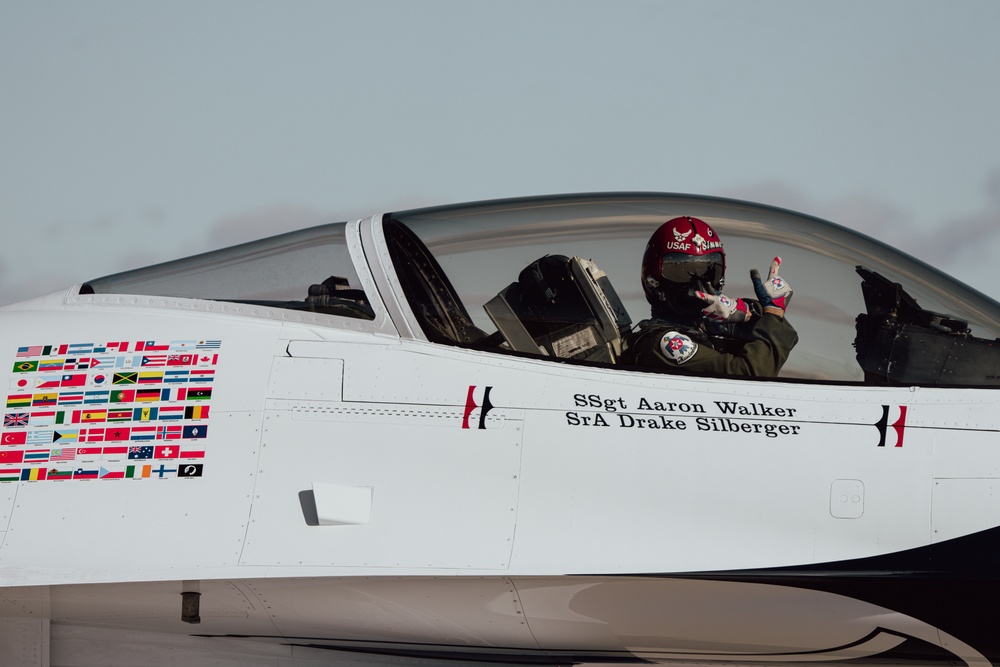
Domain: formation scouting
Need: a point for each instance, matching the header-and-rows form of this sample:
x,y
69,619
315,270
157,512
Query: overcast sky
x,y
136,132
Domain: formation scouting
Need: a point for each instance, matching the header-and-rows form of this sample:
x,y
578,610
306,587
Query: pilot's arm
x,y
771,340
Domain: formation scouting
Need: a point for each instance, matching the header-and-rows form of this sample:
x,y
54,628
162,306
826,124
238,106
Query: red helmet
x,y
682,254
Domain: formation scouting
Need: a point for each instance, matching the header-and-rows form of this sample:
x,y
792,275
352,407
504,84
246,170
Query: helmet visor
x,y
682,269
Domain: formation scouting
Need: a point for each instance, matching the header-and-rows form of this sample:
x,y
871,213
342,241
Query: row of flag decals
x,y
102,397
110,362
146,403
112,454
117,347
59,380
124,414
162,471
115,434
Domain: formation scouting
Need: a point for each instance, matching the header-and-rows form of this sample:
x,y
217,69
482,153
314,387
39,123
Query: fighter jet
x,y
417,438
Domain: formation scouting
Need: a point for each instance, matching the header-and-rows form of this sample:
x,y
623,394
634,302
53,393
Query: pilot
x,y
695,328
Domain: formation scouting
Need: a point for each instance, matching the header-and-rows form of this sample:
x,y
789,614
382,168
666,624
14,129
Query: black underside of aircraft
x,y
951,585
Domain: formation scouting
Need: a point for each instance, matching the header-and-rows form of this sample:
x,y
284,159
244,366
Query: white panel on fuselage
x,y
310,379
690,500
960,506
437,500
663,474
442,496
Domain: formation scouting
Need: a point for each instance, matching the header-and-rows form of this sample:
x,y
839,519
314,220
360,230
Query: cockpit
x,y
557,278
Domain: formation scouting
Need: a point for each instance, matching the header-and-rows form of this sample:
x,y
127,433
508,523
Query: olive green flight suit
x,y
660,344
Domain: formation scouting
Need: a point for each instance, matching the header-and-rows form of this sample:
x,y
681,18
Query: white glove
x,y
720,308
774,293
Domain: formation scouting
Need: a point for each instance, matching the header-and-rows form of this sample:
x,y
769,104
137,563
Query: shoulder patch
x,y
677,347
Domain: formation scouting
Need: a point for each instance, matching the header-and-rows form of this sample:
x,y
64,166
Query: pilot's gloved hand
x,y
774,293
720,308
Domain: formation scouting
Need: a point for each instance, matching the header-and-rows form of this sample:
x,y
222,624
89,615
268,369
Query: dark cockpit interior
x,y
900,343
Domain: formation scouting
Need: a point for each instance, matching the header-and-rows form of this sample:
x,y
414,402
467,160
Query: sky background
x,y
137,132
